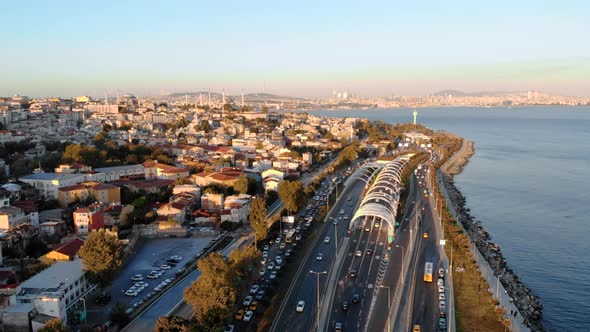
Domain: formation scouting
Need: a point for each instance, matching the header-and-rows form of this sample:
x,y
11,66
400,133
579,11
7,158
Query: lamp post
x,y
403,254
317,318
335,234
388,306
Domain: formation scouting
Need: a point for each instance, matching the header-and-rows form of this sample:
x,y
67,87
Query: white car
x,y
282,245
165,267
254,289
297,237
131,293
271,266
273,275
441,296
248,316
265,254
262,271
247,300
327,239
442,306
441,273
279,260
176,258
441,288
278,240
358,253
300,306
265,247
263,261
320,256
341,211
440,282
137,277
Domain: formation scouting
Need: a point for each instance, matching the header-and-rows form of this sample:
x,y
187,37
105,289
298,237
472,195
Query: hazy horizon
x,y
375,48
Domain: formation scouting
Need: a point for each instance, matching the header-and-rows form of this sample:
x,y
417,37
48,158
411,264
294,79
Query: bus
x,y
428,272
290,235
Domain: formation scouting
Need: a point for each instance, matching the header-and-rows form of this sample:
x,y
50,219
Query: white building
x,y
48,183
11,217
118,172
236,209
55,291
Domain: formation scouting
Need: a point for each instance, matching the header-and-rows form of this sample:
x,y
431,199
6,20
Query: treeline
x,y
108,153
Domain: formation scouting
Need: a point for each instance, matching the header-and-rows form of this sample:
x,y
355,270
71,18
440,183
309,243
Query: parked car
x,y
165,267
137,277
240,314
254,289
247,300
320,256
248,316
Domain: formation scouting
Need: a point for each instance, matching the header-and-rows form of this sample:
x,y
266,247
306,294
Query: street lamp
x,y
317,318
388,306
335,234
403,254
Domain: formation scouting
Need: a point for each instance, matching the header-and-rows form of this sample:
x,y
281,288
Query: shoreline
x,y
528,304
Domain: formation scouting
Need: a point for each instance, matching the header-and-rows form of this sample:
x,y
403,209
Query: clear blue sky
x,y
302,48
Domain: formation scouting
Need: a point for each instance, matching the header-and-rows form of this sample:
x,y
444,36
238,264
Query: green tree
x,y
102,256
241,185
257,218
292,195
119,314
172,324
54,325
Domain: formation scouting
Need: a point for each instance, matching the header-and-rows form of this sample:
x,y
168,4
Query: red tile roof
x,y
70,248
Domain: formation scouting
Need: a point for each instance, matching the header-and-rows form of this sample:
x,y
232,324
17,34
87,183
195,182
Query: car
x,y
341,211
300,306
288,252
376,225
338,327
441,272
280,252
137,277
229,328
260,295
271,266
442,306
263,261
240,314
356,298
441,296
282,245
279,260
131,293
367,228
253,306
440,282
273,275
248,316
442,322
143,283
369,252
165,267
152,276
247,301
319,257
441,288
358,253
425,235
176,258
265,248
344,305
285,231
327,239
345,216
297,237
417,328
265,254
278,240
254,289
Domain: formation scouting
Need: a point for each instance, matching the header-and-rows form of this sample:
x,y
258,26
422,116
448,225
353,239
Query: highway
x,y
304,286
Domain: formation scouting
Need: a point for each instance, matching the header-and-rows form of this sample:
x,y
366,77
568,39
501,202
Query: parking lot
x,y
149,257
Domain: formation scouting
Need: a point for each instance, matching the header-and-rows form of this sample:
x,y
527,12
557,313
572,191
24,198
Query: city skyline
x,y
375,49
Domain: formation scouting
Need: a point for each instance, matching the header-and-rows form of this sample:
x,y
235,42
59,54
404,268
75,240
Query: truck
x,y
290,235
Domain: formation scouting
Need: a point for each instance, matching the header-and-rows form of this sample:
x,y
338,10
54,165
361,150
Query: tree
x,y
213,290
54,325
241,184
119,314
292,195
172,324
102,256
257,218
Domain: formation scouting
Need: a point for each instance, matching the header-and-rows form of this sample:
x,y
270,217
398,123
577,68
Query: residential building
x,y
88,219
65,252
118,172
236,208
155,170
11,217
99,192
48,183
212,202
55,291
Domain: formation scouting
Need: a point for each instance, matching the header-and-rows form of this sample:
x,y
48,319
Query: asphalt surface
x,y
305,284
147,319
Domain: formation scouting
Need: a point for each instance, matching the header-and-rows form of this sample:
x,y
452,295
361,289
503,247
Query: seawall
x,y
521,304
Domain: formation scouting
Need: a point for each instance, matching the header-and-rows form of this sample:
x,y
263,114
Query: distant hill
x,y
192,94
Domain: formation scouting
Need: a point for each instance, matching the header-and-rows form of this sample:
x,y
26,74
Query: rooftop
x,y
49,176
53,278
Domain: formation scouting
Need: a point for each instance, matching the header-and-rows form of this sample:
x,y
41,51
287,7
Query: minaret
x,y
242,98
106,98
200,99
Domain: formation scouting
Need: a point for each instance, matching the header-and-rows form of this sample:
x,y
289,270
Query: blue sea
x,y
529,184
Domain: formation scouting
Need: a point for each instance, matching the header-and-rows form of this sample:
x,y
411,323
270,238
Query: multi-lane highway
x,y
319,259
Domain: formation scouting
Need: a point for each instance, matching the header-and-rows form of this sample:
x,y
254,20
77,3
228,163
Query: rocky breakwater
x,y
528,304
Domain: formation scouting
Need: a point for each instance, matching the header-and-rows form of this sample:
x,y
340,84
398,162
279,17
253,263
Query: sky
x,y
298,48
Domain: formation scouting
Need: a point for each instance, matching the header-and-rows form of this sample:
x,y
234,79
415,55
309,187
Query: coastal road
x,y
304,286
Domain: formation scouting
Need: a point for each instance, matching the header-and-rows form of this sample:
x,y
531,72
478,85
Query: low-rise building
x,y
212,202
48,183
65,252
99,192
88,219
55,291
236,208
11,217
